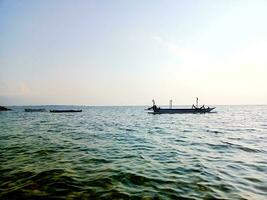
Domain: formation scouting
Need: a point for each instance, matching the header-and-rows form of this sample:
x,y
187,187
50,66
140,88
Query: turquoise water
x,y
124,153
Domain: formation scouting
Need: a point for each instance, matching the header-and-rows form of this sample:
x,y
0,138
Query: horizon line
x,y
130,105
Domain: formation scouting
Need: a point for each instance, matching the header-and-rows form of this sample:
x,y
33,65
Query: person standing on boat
x,y
154,107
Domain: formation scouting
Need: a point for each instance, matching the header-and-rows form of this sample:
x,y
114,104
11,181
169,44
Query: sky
x,y
85,52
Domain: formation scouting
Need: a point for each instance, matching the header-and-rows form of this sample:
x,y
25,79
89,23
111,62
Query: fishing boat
x,y
35,110
170,110
65,111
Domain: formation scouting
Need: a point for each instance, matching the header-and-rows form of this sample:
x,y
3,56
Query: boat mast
x,y
170,105
197,102
153,101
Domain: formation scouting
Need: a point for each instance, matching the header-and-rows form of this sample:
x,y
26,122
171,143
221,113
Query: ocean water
x,y
125,153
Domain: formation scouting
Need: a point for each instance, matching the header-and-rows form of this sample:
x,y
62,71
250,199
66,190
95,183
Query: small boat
x,y
194,109
35,110
65,111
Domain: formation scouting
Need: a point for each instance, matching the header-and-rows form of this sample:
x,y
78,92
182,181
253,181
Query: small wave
x,y
29,185
213,131
129,178
99,160
253,179
43,121
54,130
114,194
221,147
246,149
236,138
126,129
179,140
45,152
187,131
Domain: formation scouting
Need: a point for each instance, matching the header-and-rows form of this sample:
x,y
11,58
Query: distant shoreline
x,y
129,105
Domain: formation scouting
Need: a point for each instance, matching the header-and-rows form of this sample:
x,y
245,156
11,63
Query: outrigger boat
x,y
170,110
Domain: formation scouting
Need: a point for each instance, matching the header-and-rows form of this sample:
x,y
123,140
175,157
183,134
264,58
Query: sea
x,y
126,153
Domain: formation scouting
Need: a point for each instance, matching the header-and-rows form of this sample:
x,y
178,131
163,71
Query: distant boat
x,y
194,109
64,111
35,110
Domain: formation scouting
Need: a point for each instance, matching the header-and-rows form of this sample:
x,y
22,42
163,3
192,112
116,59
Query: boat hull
x,y
35,110
65,111
182,111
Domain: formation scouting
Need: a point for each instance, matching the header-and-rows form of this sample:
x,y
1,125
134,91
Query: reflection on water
x,y
124,153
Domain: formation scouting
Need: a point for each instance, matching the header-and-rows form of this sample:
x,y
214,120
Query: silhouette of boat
x,y
170,110
65,111
35,110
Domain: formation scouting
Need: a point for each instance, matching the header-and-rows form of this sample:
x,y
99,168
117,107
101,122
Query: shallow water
x,y
124,153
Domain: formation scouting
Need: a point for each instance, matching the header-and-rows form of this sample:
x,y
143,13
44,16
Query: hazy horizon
x,y
129,52
144,105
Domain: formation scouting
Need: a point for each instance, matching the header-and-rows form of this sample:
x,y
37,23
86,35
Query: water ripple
x,y
124,153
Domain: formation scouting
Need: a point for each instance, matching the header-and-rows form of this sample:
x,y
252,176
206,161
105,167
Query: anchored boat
x,y
35,110
170,110
64,111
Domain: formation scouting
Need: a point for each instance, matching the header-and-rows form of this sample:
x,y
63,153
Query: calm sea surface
x,y
125,153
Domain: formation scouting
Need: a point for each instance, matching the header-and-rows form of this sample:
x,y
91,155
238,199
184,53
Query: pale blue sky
x,y
128,52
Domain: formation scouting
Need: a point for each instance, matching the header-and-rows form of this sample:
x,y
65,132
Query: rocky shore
x,y
2,108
